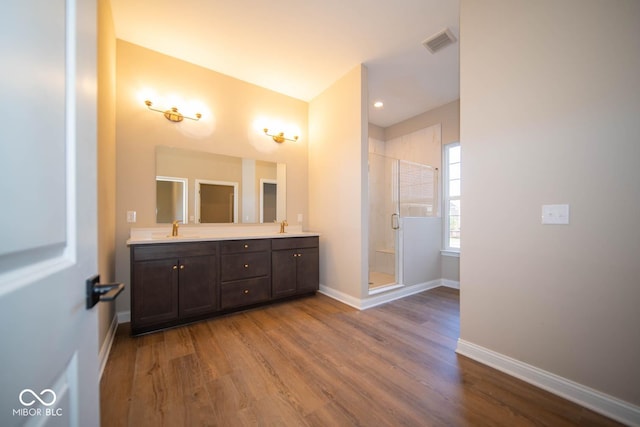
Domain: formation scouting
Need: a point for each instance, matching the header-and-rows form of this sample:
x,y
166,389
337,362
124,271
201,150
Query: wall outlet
x,y
299,218
555,214
131,216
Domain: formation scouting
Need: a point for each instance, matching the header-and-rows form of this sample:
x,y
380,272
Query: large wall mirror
x,y
199,187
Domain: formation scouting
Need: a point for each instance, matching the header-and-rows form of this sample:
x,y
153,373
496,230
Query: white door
x,y
48,237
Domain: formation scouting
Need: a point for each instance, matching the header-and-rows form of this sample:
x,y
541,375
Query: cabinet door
x,y
155,292
308,269
197,289
283,274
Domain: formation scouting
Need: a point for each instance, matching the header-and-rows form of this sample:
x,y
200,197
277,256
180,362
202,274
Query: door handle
x,y
98,292
395,224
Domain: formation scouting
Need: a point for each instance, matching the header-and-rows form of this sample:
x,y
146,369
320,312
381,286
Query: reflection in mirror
x,y
268,200
218,201
252,202
171,199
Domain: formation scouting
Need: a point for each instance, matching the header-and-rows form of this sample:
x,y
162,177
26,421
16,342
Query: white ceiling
x,y
299,48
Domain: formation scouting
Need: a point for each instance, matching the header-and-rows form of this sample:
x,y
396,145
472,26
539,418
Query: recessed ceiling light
x,y
378,104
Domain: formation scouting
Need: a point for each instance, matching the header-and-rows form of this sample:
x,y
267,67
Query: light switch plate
x,y
555,214
131,216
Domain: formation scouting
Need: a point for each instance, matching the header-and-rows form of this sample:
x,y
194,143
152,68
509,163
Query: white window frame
x,y
446,248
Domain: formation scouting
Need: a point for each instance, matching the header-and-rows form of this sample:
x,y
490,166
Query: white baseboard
x,y
124,316
340,296
105,349
395,294
590,398
453,284
380,298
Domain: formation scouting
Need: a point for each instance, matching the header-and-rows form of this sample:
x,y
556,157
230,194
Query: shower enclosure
x,y
398,190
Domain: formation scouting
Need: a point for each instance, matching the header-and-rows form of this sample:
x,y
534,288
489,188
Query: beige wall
x,y
233,115
338,183
448,116
450,267
550,104
376,132
106,160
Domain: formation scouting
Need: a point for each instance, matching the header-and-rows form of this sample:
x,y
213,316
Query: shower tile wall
x,y
422,146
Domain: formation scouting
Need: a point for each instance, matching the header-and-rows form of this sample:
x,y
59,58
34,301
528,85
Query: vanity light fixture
x,y
280,138
172,114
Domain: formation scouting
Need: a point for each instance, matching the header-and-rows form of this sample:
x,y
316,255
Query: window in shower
x,y
418,186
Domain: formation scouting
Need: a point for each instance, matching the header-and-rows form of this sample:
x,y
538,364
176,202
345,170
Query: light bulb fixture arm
x,y
172,114
280,138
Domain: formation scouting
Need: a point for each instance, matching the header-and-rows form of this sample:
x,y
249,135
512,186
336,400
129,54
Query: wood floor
x,y
317,362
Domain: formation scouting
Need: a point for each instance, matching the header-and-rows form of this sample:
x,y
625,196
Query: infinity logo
x,y
36,397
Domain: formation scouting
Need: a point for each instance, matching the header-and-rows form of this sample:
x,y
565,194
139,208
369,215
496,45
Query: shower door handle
x,y
395,224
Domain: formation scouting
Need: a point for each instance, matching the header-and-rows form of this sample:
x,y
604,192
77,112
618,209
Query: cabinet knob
x,y
182,267
246,246
175,267
246,266
246,291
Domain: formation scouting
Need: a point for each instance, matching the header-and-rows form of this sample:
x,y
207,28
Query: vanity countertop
x,y
151,235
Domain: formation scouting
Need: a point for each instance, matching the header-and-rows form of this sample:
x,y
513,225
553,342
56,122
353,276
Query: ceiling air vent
x,y
439,41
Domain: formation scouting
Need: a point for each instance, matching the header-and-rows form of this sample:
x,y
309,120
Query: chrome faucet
x,y
174,230
282,225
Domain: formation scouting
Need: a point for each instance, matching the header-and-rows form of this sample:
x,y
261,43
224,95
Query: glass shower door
x,y
383,221
403,198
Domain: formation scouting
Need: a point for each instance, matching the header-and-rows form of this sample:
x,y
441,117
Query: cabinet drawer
x,y
244,266
245,292
294,243
242,246
172,250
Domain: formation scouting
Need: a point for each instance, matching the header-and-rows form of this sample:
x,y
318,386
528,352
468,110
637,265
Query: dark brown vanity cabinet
x,y
245,272
176,283
172,283
295,266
